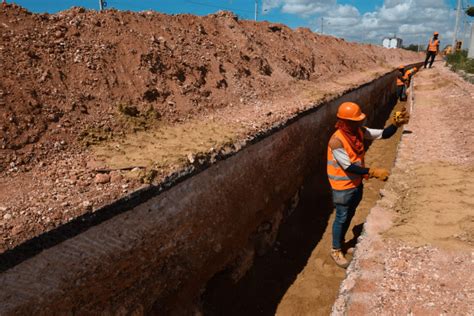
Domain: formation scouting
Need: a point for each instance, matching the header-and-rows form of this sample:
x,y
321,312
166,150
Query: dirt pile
x,y
86,73
82,91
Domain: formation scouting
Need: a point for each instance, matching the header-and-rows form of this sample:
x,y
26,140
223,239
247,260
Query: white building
x,y
392,42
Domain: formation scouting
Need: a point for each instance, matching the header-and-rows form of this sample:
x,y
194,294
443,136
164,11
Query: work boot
x,y
338,257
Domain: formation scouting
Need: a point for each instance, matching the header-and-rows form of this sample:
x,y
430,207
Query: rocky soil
x,y
77,85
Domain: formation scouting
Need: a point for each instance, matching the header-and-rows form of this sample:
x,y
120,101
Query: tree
x,y
412,47
470,11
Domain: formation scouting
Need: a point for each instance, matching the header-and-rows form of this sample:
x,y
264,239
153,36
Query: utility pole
x,y
458,13
470,52
322,25
102,4
256,10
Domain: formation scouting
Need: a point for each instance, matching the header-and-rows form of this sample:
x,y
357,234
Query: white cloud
x,y
412,20
307,7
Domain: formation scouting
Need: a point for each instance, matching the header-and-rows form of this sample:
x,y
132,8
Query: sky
x,y
355,20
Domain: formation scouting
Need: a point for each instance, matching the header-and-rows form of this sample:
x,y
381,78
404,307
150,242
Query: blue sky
x,y
357,20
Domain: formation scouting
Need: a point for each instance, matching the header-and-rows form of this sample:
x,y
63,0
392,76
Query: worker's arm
x,y
387,132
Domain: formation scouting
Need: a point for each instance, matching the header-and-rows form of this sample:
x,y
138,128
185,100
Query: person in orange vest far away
x,y
409,74
432,50
401,87
346,169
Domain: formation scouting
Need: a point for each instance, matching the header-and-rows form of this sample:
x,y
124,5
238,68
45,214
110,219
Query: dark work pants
x,y
429,55
402,93
346,202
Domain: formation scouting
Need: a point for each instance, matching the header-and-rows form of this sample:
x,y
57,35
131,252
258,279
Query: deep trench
x,y
162,251
262,288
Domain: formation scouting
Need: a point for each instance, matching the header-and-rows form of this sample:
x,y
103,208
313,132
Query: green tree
x,y
411,47
470,11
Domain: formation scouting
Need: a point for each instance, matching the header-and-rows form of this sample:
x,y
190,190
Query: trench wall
x,y
158,254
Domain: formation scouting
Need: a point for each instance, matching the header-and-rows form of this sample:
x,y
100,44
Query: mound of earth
x,y
77,85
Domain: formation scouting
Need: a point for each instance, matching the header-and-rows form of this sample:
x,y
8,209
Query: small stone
x,y
87,205
7,216
3,208
191,158
17,230
116,177
102,178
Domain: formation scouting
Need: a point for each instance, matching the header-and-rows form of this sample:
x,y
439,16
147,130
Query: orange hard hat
x,y
401,67
416,69
435,33
350,111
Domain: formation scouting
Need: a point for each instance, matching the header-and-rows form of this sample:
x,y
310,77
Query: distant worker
x,y
401,86
432,50
409,74
346,168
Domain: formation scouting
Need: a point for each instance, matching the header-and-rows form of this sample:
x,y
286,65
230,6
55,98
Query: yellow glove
x,y
379,173
400,118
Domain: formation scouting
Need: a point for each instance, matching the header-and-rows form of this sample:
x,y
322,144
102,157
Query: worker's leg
x,y
354,203
399,92
346,202
426,59
432,56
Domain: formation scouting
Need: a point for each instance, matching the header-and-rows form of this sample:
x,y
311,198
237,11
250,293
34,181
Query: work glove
x,y
379,173
400,118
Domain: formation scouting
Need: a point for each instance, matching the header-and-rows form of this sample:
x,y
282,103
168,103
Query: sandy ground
x,y
416,256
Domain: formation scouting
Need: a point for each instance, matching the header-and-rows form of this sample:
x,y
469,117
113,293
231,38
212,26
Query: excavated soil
x,y
94,105
416,257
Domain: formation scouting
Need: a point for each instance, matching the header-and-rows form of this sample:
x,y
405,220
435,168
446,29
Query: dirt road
x,y
416,257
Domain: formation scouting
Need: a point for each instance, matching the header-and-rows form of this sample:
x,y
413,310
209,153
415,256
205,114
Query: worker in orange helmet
x,y
401,86
409,74
346,169
432,50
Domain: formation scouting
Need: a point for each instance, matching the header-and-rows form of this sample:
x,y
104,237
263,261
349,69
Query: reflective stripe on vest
x,y
338,177
433,45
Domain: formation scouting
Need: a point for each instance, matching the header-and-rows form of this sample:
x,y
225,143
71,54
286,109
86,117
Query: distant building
x,y
392,42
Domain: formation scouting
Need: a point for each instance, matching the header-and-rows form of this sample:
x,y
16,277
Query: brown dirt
x,y
79,88
416,257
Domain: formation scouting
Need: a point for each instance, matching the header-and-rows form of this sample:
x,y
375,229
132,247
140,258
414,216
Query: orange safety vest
x,y
433,45
338,177
408,75
399,82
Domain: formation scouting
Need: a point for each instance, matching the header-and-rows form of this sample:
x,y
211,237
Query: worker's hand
x,y
379,173
401,117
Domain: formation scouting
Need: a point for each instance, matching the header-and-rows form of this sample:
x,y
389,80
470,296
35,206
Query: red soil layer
x,y
67,79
